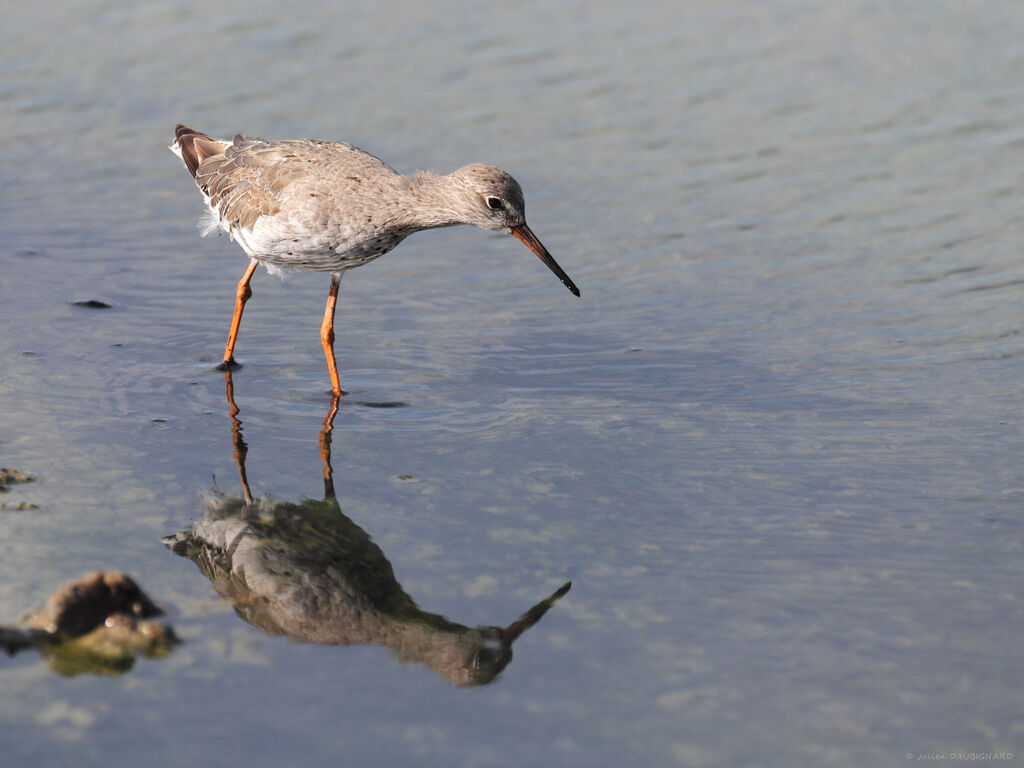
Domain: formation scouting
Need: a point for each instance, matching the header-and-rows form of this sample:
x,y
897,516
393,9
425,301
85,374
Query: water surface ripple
x,y
774,446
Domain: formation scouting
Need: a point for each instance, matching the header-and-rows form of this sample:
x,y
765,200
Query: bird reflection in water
x,y
307,571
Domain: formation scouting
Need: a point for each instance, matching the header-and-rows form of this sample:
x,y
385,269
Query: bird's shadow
x,y
307,571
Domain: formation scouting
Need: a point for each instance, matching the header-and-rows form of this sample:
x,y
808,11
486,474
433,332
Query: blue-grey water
x,y
776,445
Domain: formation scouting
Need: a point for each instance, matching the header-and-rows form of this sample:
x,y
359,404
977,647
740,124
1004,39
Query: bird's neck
x,y
431,202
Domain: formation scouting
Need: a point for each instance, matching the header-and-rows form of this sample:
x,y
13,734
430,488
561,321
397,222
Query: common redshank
x,y
328,206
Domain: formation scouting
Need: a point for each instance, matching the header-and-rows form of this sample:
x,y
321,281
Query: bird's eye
x,y
494,203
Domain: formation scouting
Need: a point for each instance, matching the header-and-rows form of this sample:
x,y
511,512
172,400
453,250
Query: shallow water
x,y
774,445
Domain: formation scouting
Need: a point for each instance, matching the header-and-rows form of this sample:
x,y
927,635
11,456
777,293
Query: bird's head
x,y
491,199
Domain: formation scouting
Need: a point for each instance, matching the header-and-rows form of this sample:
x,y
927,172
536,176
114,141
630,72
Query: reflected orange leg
x,y
325,448
241,296
327,335
241,449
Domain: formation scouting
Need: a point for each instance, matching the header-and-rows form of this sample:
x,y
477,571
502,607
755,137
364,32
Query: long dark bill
x,y
523,233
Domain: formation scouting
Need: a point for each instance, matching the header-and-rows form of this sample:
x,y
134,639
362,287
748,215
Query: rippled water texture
x,y
775,446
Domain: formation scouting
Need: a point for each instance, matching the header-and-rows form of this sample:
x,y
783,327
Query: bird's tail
x,y
194,147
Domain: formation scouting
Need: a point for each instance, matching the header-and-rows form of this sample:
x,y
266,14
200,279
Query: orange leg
x,y
327,335
241,296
